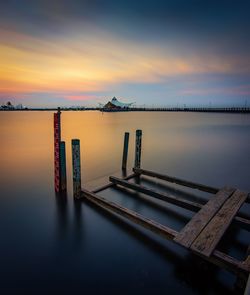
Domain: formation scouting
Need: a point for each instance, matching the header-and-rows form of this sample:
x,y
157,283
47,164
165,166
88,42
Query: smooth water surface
x,y
53,245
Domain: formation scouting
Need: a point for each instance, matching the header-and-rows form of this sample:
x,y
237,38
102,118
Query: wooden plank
x,y
213,232
194,227
162,196
179,181
152,225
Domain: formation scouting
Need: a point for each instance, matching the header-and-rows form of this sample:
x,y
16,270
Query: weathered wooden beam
x,y
152,225
194,227
213,232
162,196
179,181
193,206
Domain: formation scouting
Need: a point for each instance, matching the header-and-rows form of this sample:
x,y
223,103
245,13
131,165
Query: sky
x,y
151,52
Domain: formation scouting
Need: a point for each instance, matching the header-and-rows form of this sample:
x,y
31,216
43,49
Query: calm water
x,y
52,245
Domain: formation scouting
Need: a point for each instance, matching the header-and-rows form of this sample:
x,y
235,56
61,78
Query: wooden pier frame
x,y
201,230
221,259
201,234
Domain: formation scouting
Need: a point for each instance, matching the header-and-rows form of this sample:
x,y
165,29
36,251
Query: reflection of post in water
x,y
195,272
62,212
78,222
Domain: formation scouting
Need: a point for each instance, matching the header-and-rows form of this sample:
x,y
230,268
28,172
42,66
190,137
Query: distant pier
x,y
241,110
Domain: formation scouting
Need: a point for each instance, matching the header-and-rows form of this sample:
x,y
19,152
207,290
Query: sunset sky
x,y
165,53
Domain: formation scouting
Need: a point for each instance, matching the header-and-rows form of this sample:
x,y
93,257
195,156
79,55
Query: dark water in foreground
x,y
52,245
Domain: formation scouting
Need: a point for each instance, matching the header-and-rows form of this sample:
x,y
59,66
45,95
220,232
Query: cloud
x,y
93,62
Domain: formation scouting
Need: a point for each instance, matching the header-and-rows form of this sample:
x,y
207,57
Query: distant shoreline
x,y
244,110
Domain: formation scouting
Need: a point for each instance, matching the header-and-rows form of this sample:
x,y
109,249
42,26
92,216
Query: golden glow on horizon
x,y
77,63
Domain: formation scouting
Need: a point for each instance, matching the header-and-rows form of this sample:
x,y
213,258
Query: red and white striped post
x,y
57,140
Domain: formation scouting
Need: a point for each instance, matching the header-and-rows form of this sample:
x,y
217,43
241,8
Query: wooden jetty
x,y
202,234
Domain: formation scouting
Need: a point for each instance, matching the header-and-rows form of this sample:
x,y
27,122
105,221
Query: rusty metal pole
x,y
125,151
138,148
63,173
76,169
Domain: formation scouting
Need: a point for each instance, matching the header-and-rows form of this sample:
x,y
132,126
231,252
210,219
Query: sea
x,y
52,244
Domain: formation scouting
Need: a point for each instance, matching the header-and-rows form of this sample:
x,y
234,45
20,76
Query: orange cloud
x,y
80,97
78,62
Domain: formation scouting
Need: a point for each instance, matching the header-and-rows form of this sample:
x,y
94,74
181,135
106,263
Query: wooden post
x,y
138,149
76,161
57,139
125,151
63,173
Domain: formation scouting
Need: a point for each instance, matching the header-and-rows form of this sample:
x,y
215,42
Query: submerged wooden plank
x,y
169,198
179,181
110,184
194,227
152,225
213,232
243,222
162,196
227,262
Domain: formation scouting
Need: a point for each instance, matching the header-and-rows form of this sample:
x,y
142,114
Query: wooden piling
x,y
138,149
57,139
125,151
63,174
76,169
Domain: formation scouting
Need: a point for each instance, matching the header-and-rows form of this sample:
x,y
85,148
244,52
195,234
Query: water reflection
x,y
188,267
152,203
209,148
62,214
78,223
